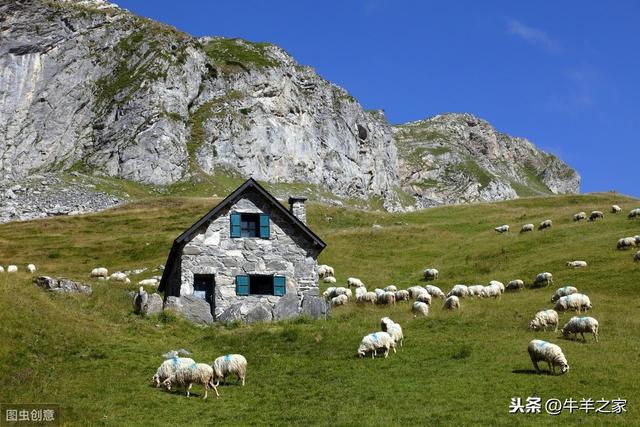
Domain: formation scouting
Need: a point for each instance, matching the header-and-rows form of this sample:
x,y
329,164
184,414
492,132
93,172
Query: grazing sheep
x,y
451,303
31,268
500,285
402,295
475,290
637,240
635,213
636,257
595,215
100,272
329,293
140,300
343,291
383,298
392,328
325,271
547,223
414,291
626,242
329,279
526,228
544,318
339,300
365,296
575,302
576,264
434,291
579,216
460,291
424,297
376,341
230,364
390,288
168,368
148,282
550,353
502,229
419,307
542,279
118,277
431,274
12,268
360,292
563,292
515,285
491,291
580,325
616,209
355,282
1,269
187,376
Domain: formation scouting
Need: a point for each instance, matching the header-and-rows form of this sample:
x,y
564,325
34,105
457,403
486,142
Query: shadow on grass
x,y
530,372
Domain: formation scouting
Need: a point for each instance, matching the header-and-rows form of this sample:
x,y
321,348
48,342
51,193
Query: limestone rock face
x,y
194,309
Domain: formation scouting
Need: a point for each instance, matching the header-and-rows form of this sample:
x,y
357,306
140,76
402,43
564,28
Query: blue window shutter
x,y
235,225
279,285
242,285
264,226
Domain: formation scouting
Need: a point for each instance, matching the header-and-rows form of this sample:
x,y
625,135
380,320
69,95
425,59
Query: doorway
x,y
204,287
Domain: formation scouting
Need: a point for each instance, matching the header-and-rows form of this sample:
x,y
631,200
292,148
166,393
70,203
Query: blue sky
x,y
564,74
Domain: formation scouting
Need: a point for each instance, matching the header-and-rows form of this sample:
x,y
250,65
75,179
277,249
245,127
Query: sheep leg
x,y
386,353
394,350
535,365
243,381
189,389
583,338
206,391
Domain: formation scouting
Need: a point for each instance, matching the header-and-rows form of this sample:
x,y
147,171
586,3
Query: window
x,y
260,284
250,225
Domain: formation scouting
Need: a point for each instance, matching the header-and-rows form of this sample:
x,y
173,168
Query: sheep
x,y
563,292
197,373
526,228
100,272
544,318
580,325
636,257
475,290
392,328
343,291
576,264
140,300
460,291
500,285
550,353
325,271
419,307
168,367
373,342
515,285
390,288
616,209
1,269
491,291
148,282
579,216
576,302
329,293
364,296
502,229
12,268
329,279
424,297
430,274
547,223
118,277
635,213
355,282
626,242
31,268
414,291
595,215
451,303
386,298
434,291
402,295
339,300
542,279
637,240
230,364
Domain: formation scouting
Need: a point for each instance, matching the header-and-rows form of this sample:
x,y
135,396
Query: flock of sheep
x,y
101,273
12,268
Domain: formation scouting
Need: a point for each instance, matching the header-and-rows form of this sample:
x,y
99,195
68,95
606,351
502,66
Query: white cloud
x,y
534,36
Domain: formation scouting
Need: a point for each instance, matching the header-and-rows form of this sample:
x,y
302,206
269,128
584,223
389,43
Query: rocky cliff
x,y
85,85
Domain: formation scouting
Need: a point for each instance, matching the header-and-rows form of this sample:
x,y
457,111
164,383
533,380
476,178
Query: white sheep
x,y
635,213
542,279
424,297
100,272
431,274
168,367
544,318
580,325
500,285
434,291
491,291
355,282
550,353
363,296
547,223
339,300
31,268
579,216
187,376
575,302
329,279
329,293
118,277
388,298
392,328
402,295
414,291
616,209
419,307
148,282
12,268
390,288
637,237
475,290
451,303
515,285
325,271
230,364
626,242
526,228
376,341
460,291
1,269
360,292
343,291
595,215
636,257
502,229
563,292
576,264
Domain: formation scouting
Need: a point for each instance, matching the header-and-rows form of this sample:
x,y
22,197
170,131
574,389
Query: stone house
x,y
250,258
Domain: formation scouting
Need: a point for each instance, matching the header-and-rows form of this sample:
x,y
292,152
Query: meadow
x,y
95,357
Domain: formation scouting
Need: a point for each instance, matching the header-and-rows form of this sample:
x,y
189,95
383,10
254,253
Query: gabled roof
x,y
249,184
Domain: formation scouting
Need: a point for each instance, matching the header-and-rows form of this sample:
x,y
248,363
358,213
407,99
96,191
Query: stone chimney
x,y
297,208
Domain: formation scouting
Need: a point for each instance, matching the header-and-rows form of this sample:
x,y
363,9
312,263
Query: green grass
x,y
238,52
93,356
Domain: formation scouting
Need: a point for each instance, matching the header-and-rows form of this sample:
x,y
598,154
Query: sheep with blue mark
x,y
230,364
169,367
579,325
392,328
552,354
187,376
371,343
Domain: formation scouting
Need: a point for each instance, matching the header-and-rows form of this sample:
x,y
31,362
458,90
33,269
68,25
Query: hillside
x,y
95,357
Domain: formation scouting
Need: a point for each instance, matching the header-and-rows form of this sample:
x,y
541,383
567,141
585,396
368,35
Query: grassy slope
x,y
93,356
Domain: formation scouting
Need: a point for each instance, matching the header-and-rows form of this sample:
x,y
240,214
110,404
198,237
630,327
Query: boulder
x,y
193,309
259,313
315,307
62,285
287,307
154,305
231,314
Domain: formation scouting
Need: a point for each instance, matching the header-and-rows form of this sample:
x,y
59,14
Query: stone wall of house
x,y
285,253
